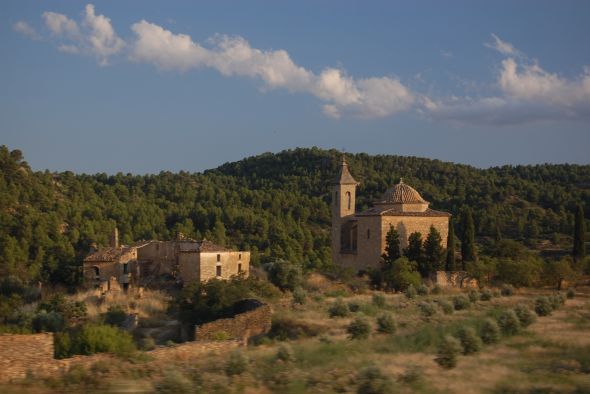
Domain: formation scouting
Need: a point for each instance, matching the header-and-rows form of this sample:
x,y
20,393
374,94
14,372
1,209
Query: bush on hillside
x,y
489,332
359,328
94,338
543,306
507,290
236,364
571,293
378,300
460,302
411,292
372,381
525,315
299,296
427,309
485,295
422,290
508,322
473,295
446,307
284,274
469,340
285,353
115,315
338,309
386,324
448,351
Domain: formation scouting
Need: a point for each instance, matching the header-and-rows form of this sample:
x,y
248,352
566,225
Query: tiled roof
x,y
108,254
401,194
384,211
344,177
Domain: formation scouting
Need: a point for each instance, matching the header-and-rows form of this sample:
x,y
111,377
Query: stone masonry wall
x,y
23,354
241,326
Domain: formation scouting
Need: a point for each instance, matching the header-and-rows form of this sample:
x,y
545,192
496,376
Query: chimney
x,y
115,238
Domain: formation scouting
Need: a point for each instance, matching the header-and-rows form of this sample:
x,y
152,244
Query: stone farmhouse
x,y
186,260
358,238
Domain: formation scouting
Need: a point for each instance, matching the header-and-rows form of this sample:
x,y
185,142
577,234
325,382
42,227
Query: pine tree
x,y
451,265
468,248
579,251
392,246
433,251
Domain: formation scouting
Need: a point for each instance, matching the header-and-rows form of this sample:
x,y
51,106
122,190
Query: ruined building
x,y
186,260
358,238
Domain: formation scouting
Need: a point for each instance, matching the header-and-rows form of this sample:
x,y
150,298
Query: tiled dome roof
x,y
401,194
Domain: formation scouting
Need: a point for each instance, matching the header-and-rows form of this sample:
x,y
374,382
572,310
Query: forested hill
x,y
276,205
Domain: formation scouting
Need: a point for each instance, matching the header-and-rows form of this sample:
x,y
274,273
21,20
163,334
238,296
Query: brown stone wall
x,y
241,326
228,261
188,266
407,225
23,354
161,254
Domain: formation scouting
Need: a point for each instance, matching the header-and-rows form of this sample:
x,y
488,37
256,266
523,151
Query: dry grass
x,y
151,304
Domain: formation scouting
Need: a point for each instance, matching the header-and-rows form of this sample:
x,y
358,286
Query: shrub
x,y
147,343
284,328
299,296
473,295
386,324
48,321
372,381
354,306
436,289
236,363
508,322
507,290
496,293
378,300
427,309
115,316
338,309
490,331
446,307
359,328
174,382
485,295
448,350
284,274
91,339
460,302
422,290
469,340
543,306
525,315
285,353
411,292
571,293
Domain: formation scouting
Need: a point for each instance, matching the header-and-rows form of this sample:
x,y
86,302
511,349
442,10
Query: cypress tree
x,y
414,251
451,265
433,251
392,246
579,251
468,250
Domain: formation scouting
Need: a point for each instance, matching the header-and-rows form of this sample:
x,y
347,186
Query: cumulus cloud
x,y
26,30
527,93
234,56
95,36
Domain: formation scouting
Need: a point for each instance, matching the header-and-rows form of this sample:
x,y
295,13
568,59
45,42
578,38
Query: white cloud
x,y
26,30
503,47
61,25
102,38
527,93
234,56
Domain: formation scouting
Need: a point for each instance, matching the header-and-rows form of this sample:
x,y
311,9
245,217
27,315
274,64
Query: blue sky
x,y
145,86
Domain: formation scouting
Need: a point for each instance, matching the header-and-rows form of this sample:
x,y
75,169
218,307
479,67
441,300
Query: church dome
x,y
401,194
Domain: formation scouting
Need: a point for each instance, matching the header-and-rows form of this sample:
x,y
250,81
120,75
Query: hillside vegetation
x,y
276,205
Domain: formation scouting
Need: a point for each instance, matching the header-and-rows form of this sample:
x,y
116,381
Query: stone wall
x,y
242,326
26,354
230,263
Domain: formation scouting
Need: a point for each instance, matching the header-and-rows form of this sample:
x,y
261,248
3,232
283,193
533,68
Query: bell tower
x,y
343,205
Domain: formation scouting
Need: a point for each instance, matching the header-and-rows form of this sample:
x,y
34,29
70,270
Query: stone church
x,y
358,238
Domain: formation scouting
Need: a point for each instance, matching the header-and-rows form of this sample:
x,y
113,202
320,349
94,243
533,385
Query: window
x,y
218,270
218,258
368,233
348,200
96,272
239,267
125,268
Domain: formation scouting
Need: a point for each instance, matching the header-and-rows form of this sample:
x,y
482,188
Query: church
x,y
358,238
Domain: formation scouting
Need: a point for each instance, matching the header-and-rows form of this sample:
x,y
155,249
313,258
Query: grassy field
x,y
309,351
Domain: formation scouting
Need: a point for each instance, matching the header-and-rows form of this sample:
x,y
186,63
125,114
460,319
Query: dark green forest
x,y
276,205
